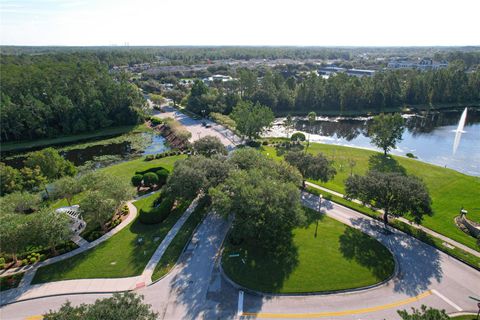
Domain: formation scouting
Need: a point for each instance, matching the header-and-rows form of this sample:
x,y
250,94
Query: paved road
x,y
195,289
197,129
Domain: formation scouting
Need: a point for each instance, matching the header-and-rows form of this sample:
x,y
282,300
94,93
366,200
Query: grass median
x,y
119,256
338,258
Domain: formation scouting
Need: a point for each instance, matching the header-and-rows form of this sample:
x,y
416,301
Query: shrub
x,y
157,214
150,179
33,260
411,155
298,136
253,143
137,180
2,263
149,157
24,262
155,121
265,143
162,176
116,222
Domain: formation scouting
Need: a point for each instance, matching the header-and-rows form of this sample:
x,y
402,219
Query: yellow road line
x,y
338,313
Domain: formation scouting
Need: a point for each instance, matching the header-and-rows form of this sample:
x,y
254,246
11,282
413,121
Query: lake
x,y
429,136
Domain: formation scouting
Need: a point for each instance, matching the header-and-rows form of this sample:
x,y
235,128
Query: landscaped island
x,y
334,257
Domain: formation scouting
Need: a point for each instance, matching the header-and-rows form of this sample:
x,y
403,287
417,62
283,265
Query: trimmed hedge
x,y
154,170
157,214
162,176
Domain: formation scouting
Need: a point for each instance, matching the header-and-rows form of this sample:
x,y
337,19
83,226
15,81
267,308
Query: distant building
x,y
360,72
424,64
329,70
217,78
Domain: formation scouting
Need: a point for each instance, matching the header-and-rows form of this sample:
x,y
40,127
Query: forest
x,y
49,95
339,93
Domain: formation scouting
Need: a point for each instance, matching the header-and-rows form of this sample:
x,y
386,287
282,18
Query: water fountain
x,y
459,131
461,123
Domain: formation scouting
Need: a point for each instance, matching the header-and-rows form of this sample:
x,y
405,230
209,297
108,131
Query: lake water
x,y
428,136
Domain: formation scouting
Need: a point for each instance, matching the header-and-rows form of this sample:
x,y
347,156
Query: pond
x,y
429,136
150,144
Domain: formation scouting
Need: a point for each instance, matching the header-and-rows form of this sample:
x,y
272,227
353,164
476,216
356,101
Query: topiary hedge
x,y
162,176
159,213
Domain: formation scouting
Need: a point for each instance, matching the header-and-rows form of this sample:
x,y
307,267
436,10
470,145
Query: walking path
x,y
25,291
86,246
195,289
420,227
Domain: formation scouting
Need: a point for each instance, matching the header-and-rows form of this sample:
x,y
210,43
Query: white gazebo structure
x,y
75,215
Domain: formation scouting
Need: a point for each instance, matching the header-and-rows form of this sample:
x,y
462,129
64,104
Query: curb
x,y
382,283
385,282
64,294
181,254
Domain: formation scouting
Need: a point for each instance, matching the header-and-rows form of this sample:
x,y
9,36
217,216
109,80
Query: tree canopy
x,y
397,194
208,146
251,119
316,167
47,95
127,306
386,131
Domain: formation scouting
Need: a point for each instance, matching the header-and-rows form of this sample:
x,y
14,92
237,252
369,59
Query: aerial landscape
x,y
217,160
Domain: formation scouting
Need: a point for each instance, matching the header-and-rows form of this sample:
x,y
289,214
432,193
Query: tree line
x,y
386,90
49,95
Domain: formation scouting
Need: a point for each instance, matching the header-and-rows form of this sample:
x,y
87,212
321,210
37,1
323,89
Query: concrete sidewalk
x,y
86,245
25,291
420,227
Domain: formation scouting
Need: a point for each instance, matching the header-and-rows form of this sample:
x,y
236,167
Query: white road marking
x,y
240,303
450,302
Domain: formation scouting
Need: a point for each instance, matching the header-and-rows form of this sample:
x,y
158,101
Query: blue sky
x,y
247,22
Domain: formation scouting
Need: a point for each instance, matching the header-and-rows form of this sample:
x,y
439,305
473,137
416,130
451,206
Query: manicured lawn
x,y
449,189
125,170
458,253
119,256
469,317
24,145
175,248
339,258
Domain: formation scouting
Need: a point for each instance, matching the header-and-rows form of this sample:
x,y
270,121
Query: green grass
x,y
468,317
119,256
460,254
449,189
25,145
339,258
174,250
126,170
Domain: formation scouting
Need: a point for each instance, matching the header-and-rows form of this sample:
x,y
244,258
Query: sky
x,y
240,22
